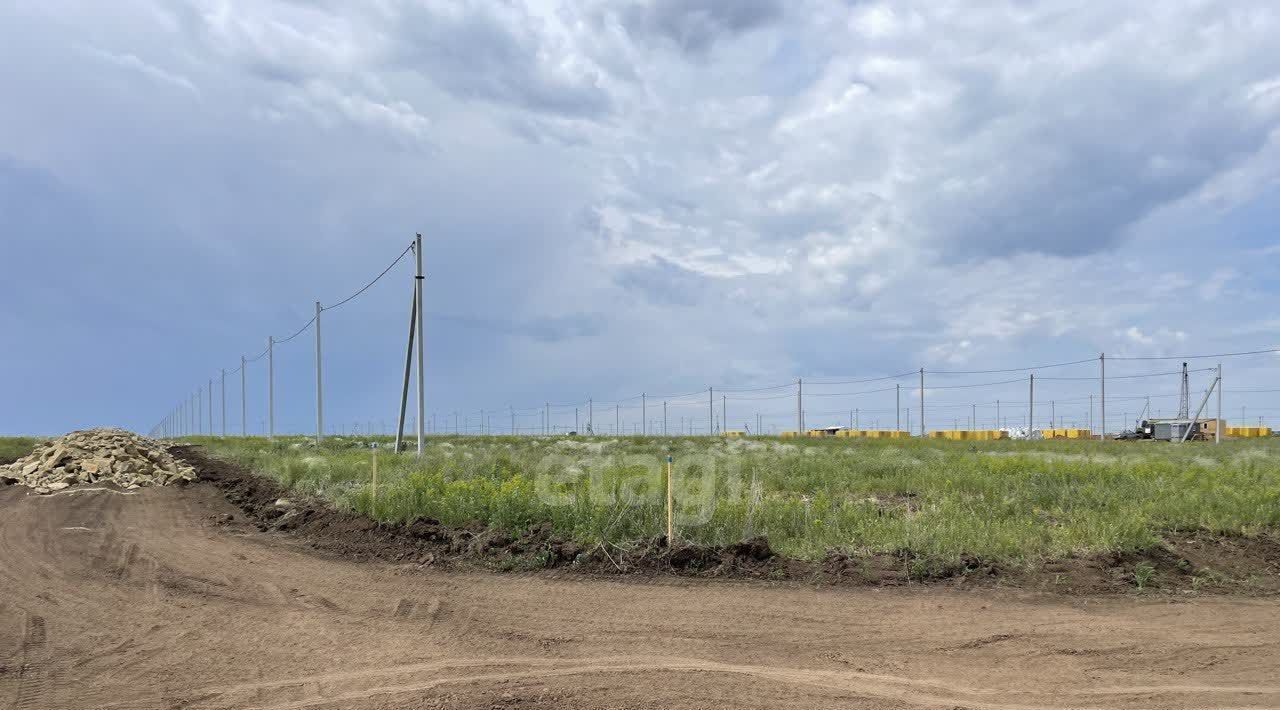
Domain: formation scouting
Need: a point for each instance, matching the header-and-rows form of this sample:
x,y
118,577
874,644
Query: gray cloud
x,y
696,25
839,189
494,52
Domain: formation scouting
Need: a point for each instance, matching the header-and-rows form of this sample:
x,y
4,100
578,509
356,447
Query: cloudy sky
x,y
636,196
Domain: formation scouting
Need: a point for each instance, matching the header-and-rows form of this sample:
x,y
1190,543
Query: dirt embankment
x,y
1186,562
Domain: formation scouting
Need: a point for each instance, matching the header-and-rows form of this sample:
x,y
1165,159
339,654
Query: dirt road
x,y
139,600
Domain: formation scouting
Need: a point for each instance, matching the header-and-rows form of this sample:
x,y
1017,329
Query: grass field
x,y
1009,501
15,447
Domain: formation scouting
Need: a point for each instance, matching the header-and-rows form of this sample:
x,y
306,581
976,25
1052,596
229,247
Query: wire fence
x,y
1065,394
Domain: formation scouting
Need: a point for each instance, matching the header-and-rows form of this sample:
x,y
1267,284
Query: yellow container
x,y
733,433
788,435
1248,432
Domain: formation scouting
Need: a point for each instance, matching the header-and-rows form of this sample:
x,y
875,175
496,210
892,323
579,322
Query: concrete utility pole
x,y
271,389
711,411
997,414
724,413
1102,380
973,422
591,419
422,335
664,418
319,383
800,406
1217,426
617,419
922,429
244,426
1031,406
897,407
222,389
644,414
210,406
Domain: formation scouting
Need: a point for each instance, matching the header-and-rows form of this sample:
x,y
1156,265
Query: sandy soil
x,y
141,600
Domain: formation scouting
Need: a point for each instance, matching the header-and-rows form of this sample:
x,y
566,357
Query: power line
x,y
371,283
1199,357
1009,369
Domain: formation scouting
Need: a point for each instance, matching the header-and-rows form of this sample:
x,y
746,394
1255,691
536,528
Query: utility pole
x,y
897,406
222,389
857,418
546,428
973,421
1031,407
1053,412
1090,413
711,411
422,335
724,413
922,429
513,421
617,419
1217,426
644,414
800,406
244,427
199,411
664,417
1102,380
591,419
575,420
998,414
319,385
271,388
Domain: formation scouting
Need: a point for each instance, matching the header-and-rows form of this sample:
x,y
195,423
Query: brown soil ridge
x,y
1194,561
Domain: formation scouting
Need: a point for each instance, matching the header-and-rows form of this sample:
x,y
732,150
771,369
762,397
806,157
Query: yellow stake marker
x,y
373,503
670,529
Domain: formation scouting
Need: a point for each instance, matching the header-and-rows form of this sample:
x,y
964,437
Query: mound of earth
x,y
98,456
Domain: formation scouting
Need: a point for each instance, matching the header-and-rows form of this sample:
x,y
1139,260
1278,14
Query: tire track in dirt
x,y
325,689
33,671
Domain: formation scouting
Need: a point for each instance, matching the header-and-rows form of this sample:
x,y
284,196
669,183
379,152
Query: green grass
x,y
1008,501
15,447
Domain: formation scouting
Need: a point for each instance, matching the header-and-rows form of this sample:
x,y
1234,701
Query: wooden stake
x,y
373,502
670,528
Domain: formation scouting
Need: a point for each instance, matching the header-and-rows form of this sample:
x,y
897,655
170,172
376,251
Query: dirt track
x,y
112,600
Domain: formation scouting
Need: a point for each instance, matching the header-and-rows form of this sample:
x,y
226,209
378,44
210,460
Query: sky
x,y
641,196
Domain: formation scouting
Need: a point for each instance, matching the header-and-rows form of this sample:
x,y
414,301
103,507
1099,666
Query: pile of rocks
x,y
97,456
